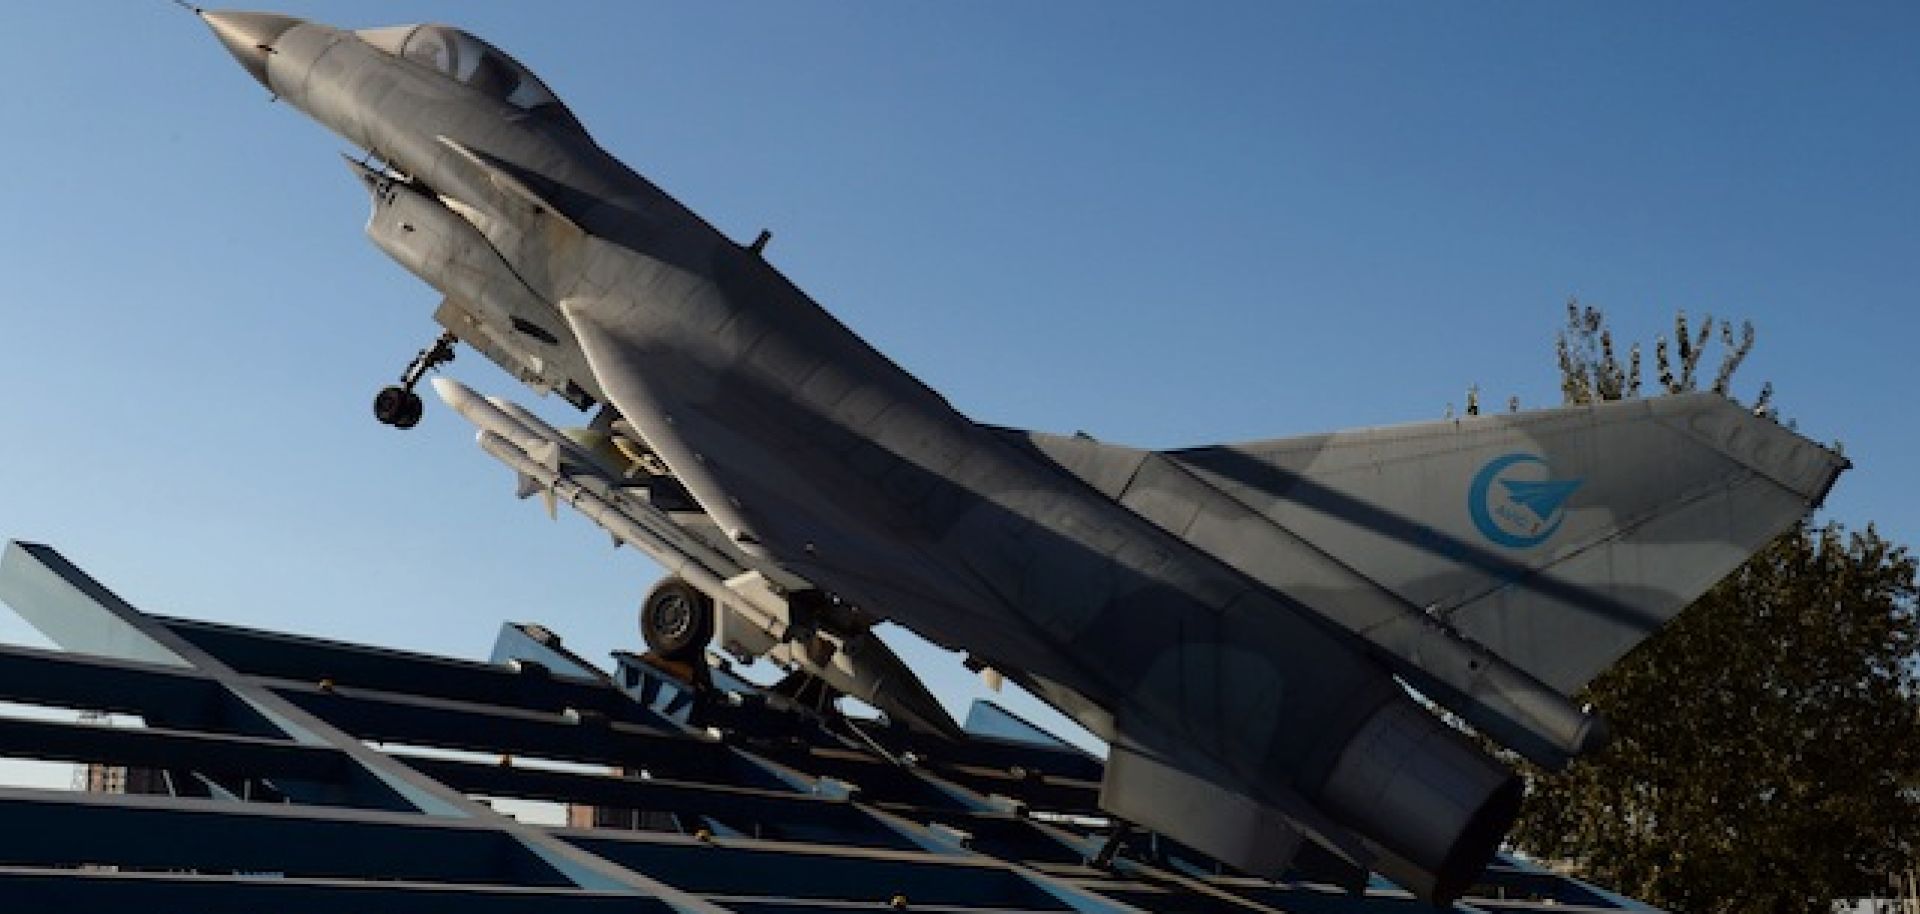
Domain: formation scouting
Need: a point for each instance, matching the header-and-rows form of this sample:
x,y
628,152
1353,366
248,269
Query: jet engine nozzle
x,y
249,36
1433,804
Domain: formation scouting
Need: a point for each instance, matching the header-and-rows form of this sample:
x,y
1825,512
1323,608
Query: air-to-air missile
x,y
753,616
1242,623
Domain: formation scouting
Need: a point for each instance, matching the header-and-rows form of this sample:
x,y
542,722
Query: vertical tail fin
x,y
1557,538
1501,561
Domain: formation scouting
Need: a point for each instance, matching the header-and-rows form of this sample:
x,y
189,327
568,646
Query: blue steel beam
x,y
1521,906
58,830
986,718
1505,879
652,793
809,743
140,747
589,739
178,696
1035,789
82,615
1065,766
908,818
989,751
735,701
276,656
745,868
1007,836
53,829
526,641
929,785
414,720
797,741
881,782
931,827
766,814
68,890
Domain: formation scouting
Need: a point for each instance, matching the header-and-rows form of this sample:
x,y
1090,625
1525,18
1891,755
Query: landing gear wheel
x,y
676,620
398,407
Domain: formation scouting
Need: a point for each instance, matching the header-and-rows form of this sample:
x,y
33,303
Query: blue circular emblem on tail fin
x,y
1514,503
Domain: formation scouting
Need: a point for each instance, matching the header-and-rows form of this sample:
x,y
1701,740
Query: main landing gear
x,y
398,405
676,620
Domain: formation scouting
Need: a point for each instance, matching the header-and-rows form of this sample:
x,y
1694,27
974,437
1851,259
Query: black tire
x,y
398,407
410,416
676,620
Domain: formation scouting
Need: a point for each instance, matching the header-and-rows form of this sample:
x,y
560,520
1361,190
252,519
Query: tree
x,y
1590,368
1767,742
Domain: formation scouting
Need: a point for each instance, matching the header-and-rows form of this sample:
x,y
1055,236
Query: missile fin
x,y
547,454
525,487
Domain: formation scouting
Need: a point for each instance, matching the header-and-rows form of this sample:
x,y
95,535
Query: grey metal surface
x,y
1235,620
783,811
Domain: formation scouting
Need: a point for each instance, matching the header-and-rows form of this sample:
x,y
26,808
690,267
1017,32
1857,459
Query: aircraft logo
x,y
1516,503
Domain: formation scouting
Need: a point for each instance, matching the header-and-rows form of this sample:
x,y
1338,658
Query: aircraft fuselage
x,y
813,450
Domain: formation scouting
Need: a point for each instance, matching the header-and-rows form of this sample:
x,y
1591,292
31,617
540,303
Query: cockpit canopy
x,y
471,61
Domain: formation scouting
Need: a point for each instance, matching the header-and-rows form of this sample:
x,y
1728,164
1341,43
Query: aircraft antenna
x,y
183,4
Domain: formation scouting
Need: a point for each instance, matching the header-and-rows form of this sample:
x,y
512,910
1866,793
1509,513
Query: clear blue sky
x,y
1164,224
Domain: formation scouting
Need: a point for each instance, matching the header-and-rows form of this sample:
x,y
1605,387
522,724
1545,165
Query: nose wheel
x,y
397,405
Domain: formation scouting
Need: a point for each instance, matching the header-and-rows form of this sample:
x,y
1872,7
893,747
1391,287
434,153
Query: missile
x,y
535,458
860,664
488,417
607,460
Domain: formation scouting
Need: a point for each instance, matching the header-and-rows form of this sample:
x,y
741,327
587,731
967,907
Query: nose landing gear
x,y
397,405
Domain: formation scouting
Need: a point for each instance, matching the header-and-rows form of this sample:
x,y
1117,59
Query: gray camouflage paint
x,y
1231,618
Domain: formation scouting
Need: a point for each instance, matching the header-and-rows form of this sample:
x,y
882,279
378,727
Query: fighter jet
x,y
1246,624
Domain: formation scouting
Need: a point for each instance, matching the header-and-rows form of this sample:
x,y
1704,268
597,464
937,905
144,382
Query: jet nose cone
x,y
249,36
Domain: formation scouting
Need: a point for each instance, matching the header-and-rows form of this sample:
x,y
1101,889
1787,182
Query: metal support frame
x,y
750,804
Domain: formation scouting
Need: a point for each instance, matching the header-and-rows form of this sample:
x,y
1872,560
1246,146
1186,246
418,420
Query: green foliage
x,y
1764,742
1767,742
1590,368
